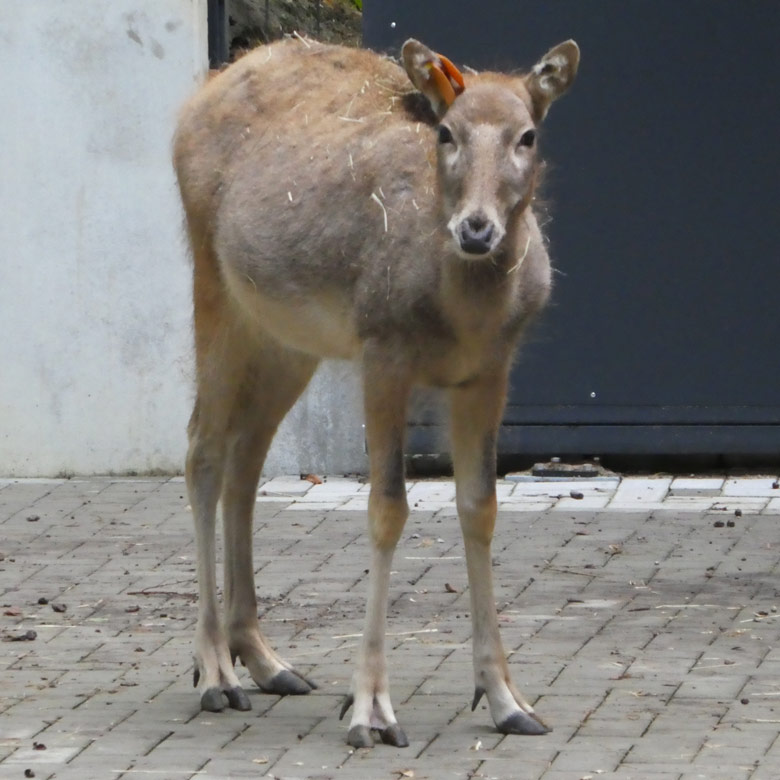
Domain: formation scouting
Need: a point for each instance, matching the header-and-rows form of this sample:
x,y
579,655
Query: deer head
x,y
486,139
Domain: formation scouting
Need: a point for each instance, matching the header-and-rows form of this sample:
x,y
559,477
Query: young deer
x,y
335,212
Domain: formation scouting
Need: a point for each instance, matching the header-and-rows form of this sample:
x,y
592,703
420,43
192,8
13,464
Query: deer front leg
x,y
385,403
476,414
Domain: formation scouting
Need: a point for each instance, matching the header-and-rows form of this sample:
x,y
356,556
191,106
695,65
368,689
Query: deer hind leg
x,y
236,376
386,393
273,381
218,355
214,672
475,416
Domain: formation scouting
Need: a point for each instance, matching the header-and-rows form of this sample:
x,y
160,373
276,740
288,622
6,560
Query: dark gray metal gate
x,y
218,33
663,333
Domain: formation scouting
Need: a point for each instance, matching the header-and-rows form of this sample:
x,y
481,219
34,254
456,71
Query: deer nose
x,y
475,234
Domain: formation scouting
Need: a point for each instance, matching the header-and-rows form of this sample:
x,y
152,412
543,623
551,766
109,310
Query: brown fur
x,y
326,220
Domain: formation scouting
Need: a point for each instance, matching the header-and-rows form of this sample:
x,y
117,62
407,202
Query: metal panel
x,y
219,44
665,190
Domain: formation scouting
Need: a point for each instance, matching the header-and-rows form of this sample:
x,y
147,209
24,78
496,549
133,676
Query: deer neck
x,y
480,296
495,276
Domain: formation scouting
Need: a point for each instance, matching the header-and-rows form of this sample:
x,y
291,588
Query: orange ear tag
x,y
453,74
441,83
447,79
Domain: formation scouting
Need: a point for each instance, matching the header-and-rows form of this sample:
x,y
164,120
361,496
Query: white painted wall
x,y
95,333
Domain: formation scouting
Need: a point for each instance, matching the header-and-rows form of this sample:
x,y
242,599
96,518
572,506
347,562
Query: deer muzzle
x,y
477,235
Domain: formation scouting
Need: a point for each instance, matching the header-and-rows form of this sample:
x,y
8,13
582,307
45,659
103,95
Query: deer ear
x,y
552,76
433,74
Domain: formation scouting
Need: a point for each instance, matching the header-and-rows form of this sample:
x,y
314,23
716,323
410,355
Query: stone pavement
x,y
641,620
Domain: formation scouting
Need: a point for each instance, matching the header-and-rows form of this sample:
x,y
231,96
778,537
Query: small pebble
x,y
737,513
730,523
43,600
33,518
744,701
26,636
29,773
576,494
718,524
59,607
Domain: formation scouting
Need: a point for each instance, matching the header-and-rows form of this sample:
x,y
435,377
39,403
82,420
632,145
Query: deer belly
x,y
318,325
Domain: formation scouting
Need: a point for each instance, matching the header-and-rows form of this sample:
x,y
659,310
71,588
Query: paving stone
x,y
691,502
357,503
595,755
698,486
527,503
747,505
637,629
585,503
431,490
750,486
634,492
286,485
773,506
61,750
302,505
767,768
723,771
559,488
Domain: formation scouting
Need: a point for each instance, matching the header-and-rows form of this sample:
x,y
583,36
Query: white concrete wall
x,y
323,433
95,333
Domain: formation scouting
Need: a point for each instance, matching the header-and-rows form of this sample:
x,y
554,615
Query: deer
x,y
336,210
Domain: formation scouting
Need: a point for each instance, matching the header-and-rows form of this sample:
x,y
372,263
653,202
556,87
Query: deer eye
x,y
445,135
528,138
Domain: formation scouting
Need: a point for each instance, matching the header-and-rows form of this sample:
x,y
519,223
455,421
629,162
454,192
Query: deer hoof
x,y
394,735
360,737
211,700
522,723
237,699
288,683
